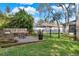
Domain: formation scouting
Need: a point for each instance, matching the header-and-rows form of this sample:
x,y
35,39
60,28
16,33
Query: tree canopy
x,y
21,19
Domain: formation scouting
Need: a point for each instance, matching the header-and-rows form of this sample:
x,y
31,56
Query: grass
x,y
53,46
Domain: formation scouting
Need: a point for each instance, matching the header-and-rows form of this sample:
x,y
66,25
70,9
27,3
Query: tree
x,y
7,9
44,12
57,17
47,11
1,14
77,22
69,12
40,21
3,19
21,19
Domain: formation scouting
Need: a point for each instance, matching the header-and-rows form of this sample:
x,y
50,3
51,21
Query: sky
x,y
39,1
31,8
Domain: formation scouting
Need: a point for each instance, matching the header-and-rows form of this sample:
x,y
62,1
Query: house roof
x,y
71,22
46,24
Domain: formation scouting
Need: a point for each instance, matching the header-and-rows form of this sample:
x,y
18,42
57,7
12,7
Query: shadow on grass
x,y
49,46
63,48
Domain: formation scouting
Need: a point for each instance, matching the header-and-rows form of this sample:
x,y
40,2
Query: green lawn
x,y
48,47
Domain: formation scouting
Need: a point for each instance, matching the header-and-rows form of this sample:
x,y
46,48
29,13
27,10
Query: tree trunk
x,y
68,23
58,29
67,13
66,19
77,24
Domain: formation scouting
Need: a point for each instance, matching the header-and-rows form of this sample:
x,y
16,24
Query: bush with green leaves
x,y
21,19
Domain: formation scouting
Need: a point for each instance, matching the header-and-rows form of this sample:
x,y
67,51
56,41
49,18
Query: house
x,y
45,26
70,30
72,27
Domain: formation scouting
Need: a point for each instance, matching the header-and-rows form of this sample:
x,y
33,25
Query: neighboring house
x,y
45,26
72,27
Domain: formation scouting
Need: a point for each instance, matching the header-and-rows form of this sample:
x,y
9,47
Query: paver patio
x,y
26,39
